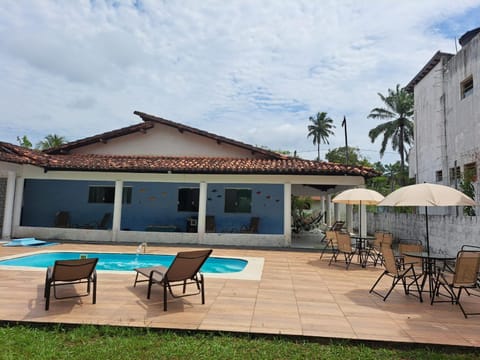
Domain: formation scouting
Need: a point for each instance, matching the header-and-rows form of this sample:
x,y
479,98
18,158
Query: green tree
x,y
23,141
468,189
320,129
399,130
51,141
337,155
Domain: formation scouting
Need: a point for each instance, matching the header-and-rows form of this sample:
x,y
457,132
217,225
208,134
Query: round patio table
x,y
430,263
361,247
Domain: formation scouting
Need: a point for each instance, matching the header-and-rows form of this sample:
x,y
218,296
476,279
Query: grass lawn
x,y
104,342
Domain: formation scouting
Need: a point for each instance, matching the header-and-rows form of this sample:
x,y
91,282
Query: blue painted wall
x,y
42,199
153,204
267,204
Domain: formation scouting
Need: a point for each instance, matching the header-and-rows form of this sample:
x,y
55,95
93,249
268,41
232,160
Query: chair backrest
x,y
407,247
254,222
187,264
377,242
389,259
210,223
467,268
337,225
344,242
105,220
471,247
387,239
331,236
71,270
62,219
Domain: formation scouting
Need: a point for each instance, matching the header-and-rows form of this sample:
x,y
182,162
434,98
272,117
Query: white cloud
x,y
251,70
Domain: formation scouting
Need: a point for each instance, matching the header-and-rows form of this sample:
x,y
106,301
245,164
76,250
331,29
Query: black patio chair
x,y
184,270
393,269
71,272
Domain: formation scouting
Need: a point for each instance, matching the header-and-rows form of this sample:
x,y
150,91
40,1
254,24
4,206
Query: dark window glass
x,y
238,200
188,199
466,87
106,195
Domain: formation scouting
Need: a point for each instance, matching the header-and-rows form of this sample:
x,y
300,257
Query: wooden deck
x,y
297,294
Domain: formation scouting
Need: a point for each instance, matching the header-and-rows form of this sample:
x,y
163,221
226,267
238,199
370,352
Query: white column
x,y
17,207
287,214
349,218
322,208
336,212
363,213
202,211
117,209
8,211
328,204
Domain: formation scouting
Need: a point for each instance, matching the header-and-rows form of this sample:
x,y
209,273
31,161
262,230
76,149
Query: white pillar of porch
x,y
287,214
18,200
202,211
8,211
349,217
363,210
117,209
336,211
328,204
322,208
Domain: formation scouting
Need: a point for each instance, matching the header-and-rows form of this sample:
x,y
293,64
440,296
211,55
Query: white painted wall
x,y
164,140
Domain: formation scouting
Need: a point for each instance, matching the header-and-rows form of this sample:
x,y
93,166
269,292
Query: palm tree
x,y
320,128
51,141
23,141
399,108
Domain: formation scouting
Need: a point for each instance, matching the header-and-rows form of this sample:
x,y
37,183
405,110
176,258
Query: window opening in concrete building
x,y
466,87
455,174
470,171
438,176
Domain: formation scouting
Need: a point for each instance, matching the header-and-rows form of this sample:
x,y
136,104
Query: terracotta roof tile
x,y
162,164
21,155
202,165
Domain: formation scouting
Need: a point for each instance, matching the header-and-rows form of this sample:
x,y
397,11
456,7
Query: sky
x,y
250,70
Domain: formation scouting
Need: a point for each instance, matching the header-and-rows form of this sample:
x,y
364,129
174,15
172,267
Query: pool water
x,y
125,262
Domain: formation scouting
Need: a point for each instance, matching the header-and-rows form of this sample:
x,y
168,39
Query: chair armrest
x,y
153,278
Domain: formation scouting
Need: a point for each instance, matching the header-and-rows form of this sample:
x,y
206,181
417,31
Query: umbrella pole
x,y
426,222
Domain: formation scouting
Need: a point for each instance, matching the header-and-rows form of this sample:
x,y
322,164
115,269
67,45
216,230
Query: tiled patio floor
x,y
298,294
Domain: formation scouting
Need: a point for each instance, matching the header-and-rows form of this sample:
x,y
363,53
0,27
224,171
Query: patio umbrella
x,y
358,196
426,194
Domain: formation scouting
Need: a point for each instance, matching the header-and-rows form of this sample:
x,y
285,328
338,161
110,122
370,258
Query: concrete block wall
x,y
447,233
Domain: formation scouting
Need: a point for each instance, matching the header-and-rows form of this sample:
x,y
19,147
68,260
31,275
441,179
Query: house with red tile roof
x,y
164,182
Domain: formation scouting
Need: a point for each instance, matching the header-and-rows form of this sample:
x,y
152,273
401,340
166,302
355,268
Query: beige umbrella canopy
x,y
358,196
426,194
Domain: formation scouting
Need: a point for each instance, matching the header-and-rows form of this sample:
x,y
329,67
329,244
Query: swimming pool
x,y
124,262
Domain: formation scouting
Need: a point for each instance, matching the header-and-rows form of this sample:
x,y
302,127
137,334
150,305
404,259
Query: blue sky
x,y
251,70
